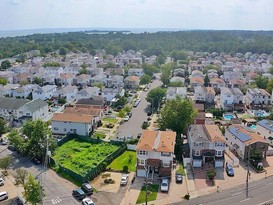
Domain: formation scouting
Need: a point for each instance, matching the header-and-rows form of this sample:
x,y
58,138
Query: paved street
x,y
258,191
133,126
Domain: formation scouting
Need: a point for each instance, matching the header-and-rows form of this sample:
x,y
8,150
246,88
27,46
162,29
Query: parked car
x,y
12,148
229,170
129,114
87,188
164,187
124,180
126,118
178,178
87,201
139,135
149,113
136,103
2,181
78,194
3,195
3,142
118,108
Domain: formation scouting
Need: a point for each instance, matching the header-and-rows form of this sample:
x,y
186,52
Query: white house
x,y
135,71
44,93
217,83
87,92
24,91
98,79
53,71
200,94
36,109
82,80
8,89
68,93
231,97
155,151
172,92
207,145
239,138
257,96
67,123
8,75
265,129
115,81
110,93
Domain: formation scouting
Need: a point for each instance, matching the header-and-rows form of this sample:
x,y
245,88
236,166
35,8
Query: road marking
x,y
56,200
238,193
245,199
265,202
269,183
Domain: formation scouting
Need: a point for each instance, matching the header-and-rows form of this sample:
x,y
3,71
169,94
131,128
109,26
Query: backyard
x,y
152,193
110,120
128,158
80,157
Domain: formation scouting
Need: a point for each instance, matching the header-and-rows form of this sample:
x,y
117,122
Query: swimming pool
x,y
228,116
254,127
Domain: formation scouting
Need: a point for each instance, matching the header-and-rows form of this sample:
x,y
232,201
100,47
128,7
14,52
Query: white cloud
x,y
191,14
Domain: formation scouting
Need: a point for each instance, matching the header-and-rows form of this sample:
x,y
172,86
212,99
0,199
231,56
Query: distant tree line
x,y
160,43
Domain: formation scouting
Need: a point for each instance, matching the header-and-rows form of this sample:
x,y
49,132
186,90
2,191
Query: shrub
x,y
125,169
187,196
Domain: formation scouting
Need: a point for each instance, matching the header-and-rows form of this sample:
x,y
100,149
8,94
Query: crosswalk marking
x,y
56,200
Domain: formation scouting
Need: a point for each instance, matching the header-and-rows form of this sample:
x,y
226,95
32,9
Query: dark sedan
x,y
178,178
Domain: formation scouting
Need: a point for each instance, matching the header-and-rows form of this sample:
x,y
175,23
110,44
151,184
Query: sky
x,y
178,14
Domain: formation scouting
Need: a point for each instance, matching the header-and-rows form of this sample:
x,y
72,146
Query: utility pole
x,y
247,175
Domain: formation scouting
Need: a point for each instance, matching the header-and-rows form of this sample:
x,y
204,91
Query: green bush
x,y
125,169
187,196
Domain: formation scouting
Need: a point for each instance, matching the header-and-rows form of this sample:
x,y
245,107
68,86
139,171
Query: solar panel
x,y
243,136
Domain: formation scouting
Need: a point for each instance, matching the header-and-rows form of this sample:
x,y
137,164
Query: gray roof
x,y
243,137
12,103
197,133
66,89
95,100
89,90
35,105
267,124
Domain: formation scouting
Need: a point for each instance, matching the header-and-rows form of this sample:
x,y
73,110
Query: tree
x,y
51,64
144,79
160,59
177,114
33,191
63,51
261,82
5,64
179,55
155,96
38,81
17,141
83,71
269,86
149,69
99,85
3,127
3,81
121,113
206,80
271,70
21,176
175,84
5,162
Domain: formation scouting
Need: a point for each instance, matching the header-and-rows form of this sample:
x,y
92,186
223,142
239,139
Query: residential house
x,y
241,139
65,79
217,83
131,82
193,65
98,79
53,71
155,153
95,71
230,75
8,75
197,74
231,98
82,80
135,71
24,91
21,109
210,94
68,93
150,60
236,83
48,79
114,71
115,81
265,129
196,81
87,92
179,72
213,75
250,76
7,90
257,96
21,78
109,94
74,70
67,123
207,146
95,101
173,92
44,93
204,94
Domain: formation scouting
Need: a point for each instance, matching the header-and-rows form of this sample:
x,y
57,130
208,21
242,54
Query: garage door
x,y
197,163
219,163
141,173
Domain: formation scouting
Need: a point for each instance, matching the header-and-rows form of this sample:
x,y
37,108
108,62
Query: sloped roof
x,y
35,105
12,103
68,117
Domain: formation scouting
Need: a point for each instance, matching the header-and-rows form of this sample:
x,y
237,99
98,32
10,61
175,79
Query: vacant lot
x,y
80,156
128,158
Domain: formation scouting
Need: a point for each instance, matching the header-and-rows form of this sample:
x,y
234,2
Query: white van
x,y
3,195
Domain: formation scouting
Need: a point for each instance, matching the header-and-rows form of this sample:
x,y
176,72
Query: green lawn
x,y
153,189
80,156
110,120
123,160
181,170
100,135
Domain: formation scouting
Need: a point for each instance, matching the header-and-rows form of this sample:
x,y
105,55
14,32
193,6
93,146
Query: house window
x,y
219,153
198,144
196,152
141,161
56,128
166,164
219,144
64,129
142,152
165,154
